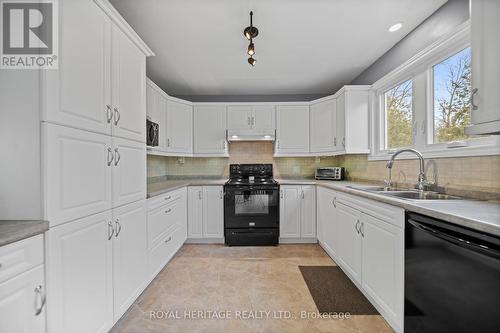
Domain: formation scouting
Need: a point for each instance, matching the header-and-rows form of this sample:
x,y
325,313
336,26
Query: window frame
x,y
420,70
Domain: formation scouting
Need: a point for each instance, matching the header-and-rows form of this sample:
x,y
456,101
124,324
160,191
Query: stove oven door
x,y
251,207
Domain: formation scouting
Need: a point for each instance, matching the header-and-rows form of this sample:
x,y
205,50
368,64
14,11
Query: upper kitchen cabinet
x,y
292,130
352,120
251,119
179,125
100,84
485,46
156,110
323,126
210,130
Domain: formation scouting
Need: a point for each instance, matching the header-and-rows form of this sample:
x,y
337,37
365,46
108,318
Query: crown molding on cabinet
x,y
117,19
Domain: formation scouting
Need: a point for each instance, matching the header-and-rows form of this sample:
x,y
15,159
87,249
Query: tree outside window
x,y
399,115
452,88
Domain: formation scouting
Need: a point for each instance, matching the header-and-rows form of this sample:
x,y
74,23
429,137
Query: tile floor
x,y
238,282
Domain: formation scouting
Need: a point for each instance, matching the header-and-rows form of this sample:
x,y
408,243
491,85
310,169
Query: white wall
x,y
20,180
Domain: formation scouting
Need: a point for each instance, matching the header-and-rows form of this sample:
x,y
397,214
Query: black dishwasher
x,y
452,278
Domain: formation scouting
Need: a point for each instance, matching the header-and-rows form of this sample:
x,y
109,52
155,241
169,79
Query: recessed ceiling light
x,y
395,27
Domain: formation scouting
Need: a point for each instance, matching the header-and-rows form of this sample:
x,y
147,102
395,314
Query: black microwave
x,y
152,130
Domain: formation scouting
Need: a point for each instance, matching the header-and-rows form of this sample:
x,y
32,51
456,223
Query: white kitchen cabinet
x,y
327,220
87,173
383,250
247,119
292,130
485,47
297,213
349,240
352,119
130,250
156,111
179,127
78,94
78,167
129,171
213,211
367,243
128,88
205,213
100,83
323,126
79,275
210,130
20,300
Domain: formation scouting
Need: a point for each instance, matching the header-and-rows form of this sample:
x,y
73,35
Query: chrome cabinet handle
x,y
168,239
38,292
109,113
335,141
356,226
199,195
474,92
343,141
117,116
302,194
168,142
248,121
111,231
334,202
362,229
110,156
220,194
253,121
168,198
118,227
168,210
281,194
118,157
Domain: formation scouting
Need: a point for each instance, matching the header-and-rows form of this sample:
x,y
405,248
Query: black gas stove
x,y
251,205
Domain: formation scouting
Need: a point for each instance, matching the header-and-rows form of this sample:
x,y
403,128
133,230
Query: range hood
x,y
251,135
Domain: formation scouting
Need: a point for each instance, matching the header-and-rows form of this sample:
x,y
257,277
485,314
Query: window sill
x,y
486,150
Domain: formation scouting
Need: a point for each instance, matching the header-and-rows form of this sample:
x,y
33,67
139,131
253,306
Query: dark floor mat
x,y
333,291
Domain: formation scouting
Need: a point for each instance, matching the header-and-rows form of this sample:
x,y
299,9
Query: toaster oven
x,y
330,173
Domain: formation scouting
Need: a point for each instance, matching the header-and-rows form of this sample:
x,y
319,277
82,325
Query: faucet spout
x,y
422,179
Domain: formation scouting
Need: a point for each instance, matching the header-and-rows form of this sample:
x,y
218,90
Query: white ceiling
x,y
304,46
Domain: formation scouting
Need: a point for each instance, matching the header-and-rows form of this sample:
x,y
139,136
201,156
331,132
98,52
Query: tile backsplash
x,y
470,176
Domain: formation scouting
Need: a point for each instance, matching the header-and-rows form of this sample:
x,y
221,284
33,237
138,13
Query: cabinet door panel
x,y
129,171
340,118
19,302
195,212
383,264
348,240
210,130
308,212
327,219
264,118
78,93
179,127
213,212
293,129
239,117
79,276
290,212
78,177
128,88
130,261
323,126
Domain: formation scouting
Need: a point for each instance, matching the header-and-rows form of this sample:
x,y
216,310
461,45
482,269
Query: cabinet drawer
x,y
165,218
20,256
165,249
166,198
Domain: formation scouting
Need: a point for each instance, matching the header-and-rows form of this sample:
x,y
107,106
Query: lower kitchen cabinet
x,y
22,287
297,213
96,268
129,255
365,238
206,213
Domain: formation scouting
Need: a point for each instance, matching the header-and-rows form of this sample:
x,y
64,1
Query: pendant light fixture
x,y
250,33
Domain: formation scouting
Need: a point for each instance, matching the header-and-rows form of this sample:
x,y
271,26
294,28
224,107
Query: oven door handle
x,y
480,248
252,232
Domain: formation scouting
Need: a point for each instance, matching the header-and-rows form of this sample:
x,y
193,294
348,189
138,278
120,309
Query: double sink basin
x,y
407,194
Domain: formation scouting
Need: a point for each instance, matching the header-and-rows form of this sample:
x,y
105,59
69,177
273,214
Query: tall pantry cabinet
x,y
93,140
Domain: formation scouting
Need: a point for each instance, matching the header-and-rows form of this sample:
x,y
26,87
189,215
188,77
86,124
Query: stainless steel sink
x,y
420,195
404,193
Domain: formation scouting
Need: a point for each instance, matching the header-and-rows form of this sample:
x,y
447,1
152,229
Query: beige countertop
x,y
478,215
15,230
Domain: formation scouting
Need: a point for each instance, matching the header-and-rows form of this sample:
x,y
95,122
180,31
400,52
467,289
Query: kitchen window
x,y
424,104
399,115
